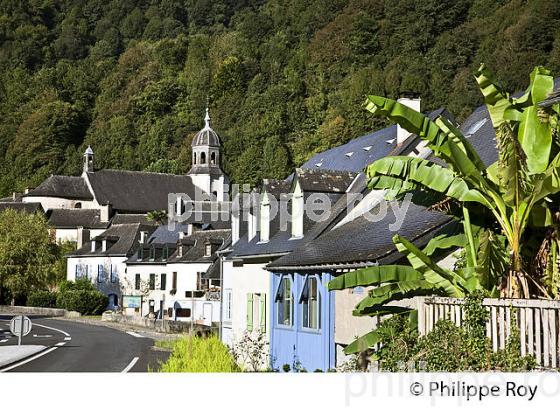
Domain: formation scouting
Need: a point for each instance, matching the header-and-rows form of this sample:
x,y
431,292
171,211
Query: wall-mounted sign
x,y
132,301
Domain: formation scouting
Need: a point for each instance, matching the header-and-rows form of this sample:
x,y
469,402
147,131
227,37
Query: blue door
x,y
302,322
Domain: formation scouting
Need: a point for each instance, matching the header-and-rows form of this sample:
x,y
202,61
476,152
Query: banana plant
x,y
394,283
514,191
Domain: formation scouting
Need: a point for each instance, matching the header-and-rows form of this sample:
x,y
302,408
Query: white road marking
x,y
28,360
130,365
134,334
60,344
42,335
3,340
67,338
52,328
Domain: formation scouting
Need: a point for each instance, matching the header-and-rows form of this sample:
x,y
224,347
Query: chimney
x,y
105,212
143,235
181,235
410,102
14,197
93,245
82,236
190,229
104,245
27,190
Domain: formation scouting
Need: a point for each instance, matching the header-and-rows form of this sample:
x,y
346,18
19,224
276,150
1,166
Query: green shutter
x,y
249,311
263,313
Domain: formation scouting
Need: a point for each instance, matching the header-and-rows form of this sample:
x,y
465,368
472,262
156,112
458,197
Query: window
x,y
163,283
208,249
81,271
284,302
182,312
256,311
311,304
78,205
213,158
203,158
165,253
152,281
152,253
137,282
113,274
194,158
140,253
174,283
227,304
100,273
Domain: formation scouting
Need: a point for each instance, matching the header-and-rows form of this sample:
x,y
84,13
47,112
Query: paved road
x,y
78,347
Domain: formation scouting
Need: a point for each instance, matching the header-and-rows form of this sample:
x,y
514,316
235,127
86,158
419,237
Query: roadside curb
x,y
27,351
122,327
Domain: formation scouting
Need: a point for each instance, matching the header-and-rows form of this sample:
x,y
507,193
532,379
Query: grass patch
x,y
197,355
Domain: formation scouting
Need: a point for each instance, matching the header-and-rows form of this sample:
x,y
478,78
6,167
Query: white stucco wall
x,y
92,262
186,281
58,203
242,280
71,234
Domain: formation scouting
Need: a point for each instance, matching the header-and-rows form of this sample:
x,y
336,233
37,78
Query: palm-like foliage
x,y
509,195
513,191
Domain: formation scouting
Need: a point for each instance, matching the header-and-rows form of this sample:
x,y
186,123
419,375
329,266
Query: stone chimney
x,y
82,236
410,102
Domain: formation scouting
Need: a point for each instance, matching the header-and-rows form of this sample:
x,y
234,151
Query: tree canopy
x,y
283,78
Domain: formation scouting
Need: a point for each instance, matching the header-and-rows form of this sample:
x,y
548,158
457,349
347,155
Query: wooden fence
x,y
538,322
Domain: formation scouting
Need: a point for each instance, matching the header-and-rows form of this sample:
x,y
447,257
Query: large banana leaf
x,y
374,275
381,295
403,173
440,135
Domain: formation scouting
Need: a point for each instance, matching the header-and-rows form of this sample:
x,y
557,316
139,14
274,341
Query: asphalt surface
x,y
79,347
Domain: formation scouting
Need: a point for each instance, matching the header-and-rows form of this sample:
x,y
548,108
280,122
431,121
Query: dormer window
x,y
208,250
152,253
165,253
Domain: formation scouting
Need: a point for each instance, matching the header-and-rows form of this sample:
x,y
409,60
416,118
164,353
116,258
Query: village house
x,y
105,213
102,259
175,275
322,323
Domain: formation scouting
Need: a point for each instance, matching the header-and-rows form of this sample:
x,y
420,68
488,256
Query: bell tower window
x,y
213,158
203,158
194,158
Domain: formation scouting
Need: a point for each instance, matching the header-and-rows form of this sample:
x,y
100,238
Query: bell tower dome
x,y
206,171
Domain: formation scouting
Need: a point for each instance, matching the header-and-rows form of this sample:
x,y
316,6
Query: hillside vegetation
x,y
284,79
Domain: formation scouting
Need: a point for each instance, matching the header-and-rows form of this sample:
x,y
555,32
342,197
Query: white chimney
x,y
105,213
82,236
104,245
143,235
93,243
190,229
413,103
181,235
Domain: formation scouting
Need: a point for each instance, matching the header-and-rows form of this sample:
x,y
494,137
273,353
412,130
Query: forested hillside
x,y
284,78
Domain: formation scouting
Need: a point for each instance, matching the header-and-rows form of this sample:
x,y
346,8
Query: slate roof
x,y
196,253
29,207
363,241
119,219
324,180
71,218
126,241
133,191
63,187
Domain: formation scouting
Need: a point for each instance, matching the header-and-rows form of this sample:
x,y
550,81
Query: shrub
x,y
200,355
82,297
42,298
449,348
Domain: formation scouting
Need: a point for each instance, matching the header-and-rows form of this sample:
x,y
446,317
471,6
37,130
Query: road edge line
x,y
29,359
130,365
